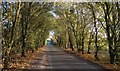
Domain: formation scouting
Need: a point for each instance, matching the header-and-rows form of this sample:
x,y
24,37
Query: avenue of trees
x,y
24,29
91,26
82,27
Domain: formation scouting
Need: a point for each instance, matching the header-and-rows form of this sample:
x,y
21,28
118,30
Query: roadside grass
x,y
18,62
103,59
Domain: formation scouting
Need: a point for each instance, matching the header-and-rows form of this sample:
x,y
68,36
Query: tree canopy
x,y
82,27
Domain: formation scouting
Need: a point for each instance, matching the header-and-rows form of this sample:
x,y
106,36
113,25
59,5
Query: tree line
x,y
81,27
24,28
90,27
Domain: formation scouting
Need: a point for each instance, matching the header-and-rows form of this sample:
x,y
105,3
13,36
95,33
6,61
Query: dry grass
x,y
22,62
103,61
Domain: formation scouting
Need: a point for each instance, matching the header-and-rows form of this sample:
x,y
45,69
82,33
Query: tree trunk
x,y
71,45
82,42
23,36
89,43
70,41
76,40
96,52
118,10
6,60
95,25
79,43
24,26
111,52
23,41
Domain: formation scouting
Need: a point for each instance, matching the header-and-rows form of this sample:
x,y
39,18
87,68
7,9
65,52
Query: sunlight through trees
x,y
92,28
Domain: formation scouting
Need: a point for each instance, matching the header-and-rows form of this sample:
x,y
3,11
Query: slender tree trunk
x,y
77,45
66,40
89,44
118,10
6,59
71,45
23,36
24,26
90,41
76,40
70,41
75,34
96,32
23,41
111,52
83,45
83,37
96,52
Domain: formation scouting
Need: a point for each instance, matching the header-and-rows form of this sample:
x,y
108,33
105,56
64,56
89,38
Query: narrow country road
x,y
56,58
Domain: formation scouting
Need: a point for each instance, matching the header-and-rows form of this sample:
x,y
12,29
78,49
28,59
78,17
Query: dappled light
x,y
60,35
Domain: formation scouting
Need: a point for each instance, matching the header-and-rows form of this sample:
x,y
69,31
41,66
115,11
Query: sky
x,y
55,15
0,7
51,32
